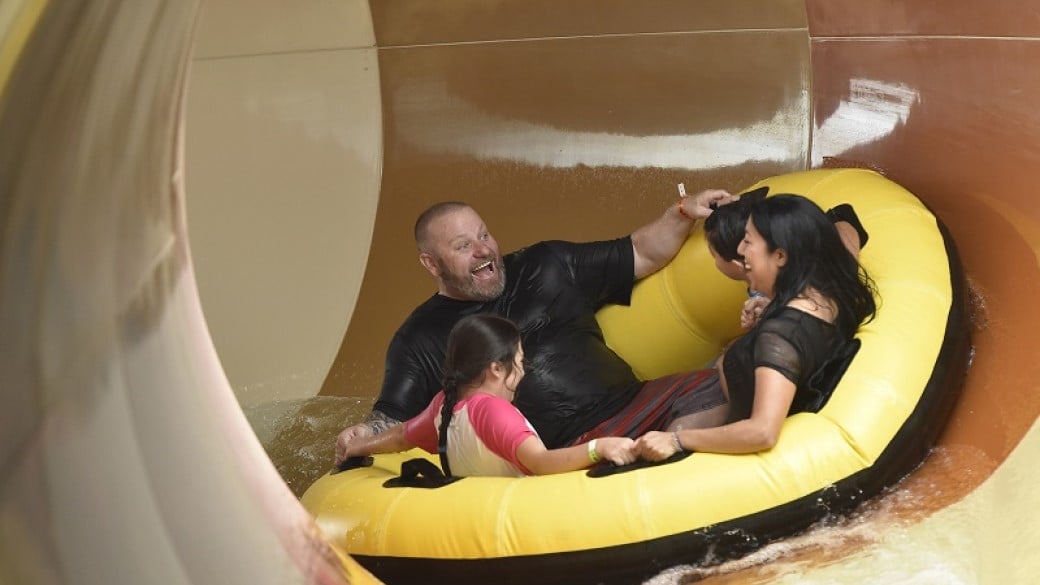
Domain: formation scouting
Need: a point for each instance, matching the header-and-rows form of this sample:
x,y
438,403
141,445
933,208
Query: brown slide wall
x,y
968,146
570,127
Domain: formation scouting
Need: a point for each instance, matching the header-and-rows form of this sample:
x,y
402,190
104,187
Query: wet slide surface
x,y
572,121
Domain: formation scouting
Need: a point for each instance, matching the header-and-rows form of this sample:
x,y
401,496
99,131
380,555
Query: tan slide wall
x,y
284,153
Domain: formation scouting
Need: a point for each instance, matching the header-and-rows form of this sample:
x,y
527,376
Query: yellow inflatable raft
x,y
878,425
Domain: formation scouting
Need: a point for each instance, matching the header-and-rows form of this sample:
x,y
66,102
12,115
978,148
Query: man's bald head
x,y
432,213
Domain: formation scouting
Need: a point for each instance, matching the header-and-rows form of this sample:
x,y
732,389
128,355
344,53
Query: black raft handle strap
x,y
605,469
420,473
826,377
353,463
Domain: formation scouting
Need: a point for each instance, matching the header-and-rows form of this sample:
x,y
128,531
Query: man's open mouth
x,y
484,269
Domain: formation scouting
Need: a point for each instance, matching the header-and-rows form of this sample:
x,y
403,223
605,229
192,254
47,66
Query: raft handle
x,y
605,469
353,463
420,473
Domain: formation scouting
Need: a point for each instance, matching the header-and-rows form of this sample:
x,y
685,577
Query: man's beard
x,y
469,288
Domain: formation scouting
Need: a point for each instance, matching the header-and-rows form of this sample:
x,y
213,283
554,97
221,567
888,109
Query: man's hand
x,y
375,423
349,435
699,206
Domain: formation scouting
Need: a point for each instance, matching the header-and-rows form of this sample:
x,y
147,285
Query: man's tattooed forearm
x,y
379,422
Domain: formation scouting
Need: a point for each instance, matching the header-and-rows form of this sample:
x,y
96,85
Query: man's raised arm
x,y
656,243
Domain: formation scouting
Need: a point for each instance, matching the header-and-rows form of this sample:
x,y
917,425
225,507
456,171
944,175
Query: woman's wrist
x,y
677,442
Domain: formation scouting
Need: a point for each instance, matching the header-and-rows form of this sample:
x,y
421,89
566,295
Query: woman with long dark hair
x,y
472,422
724,231
818,296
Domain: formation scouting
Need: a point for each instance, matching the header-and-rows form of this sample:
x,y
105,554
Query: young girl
x,y
473,420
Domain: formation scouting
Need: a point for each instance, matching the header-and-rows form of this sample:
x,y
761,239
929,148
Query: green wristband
x,y
593,456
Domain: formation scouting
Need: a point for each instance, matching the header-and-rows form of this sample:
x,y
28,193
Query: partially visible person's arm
x,y
773,396
656,243
849,236
541,461
418,431
849,227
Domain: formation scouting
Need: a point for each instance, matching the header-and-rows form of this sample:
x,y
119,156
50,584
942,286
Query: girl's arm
x,y
773,396
541,461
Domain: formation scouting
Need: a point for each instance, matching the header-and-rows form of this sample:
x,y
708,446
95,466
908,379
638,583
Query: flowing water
x,y
299,435
874,545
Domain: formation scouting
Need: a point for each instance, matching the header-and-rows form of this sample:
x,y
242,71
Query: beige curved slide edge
x,y
298,142
124,455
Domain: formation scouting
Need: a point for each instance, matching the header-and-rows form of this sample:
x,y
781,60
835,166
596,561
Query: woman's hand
x,y
656,446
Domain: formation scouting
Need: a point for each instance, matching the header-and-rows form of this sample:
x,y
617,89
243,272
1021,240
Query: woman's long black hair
x,y
475,342
816,257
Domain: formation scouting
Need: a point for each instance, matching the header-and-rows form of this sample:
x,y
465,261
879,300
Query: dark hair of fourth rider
x,y
724,228
816,257
475,342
